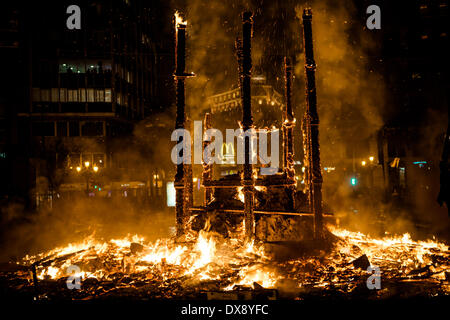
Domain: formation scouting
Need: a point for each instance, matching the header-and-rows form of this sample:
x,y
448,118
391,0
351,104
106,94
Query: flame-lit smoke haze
x,y
351,103
352,99
350,93
74,221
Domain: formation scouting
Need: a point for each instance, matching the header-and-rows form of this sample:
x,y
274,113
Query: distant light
x,y
272,103
95,187
371,158
419,162
78,169
170,189
260,101
86,164
363,163
258,78
95,168
99,189
195,179
353,181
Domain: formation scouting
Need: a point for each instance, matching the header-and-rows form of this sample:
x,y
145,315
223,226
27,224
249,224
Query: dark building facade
x,y
13,94
84,90
415,54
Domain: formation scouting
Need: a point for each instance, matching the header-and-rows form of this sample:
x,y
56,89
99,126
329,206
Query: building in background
x,y
226,113
14,169
82,92
416,67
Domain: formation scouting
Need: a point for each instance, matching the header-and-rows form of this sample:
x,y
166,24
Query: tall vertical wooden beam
x,y
183,176
207,167
288,132
247,124
311,126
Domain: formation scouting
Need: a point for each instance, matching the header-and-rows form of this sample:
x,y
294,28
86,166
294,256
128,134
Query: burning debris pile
x,y
214,267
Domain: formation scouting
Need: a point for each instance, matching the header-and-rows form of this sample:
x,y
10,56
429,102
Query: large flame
x,y
226,264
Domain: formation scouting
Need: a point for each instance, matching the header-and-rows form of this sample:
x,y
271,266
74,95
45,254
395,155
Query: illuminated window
x,y
82,95
63,94
99,96
90,95
72,67
107,95
45,95
55,95
72,95
170,190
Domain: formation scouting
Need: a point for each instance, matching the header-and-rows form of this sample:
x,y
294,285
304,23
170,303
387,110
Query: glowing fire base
x,y
211,265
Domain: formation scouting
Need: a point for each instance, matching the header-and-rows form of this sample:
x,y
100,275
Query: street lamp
x,y
363,163
371,159
87,172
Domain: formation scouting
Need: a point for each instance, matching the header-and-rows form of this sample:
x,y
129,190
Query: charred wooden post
x,y
288,131
182,179
311,129
188,182
35,278
207,167
247,124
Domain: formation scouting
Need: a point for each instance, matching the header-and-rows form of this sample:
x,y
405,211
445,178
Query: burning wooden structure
x,y
183,177
215,267
247,182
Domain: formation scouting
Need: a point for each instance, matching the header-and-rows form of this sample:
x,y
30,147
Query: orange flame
x,y
179,20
